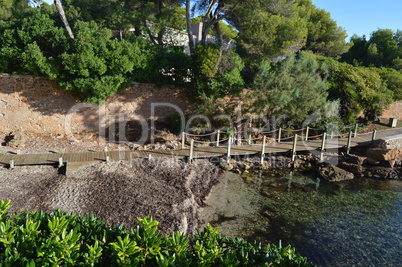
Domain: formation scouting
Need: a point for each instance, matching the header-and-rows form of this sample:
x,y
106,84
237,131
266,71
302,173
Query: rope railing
x,y
315,136
304,136
360,134
288,138
338,135
296,130
199,135
204,142
315,129
273,131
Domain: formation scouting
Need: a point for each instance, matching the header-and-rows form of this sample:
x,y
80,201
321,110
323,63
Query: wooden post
x,y
190,157
229,148
106,154
264,140
249,138
374,135
279,135
183,139
307,132
332,135
11,164
355,132
145,147
324,136
149,156
349,142
61,162
218,135
18,151
294,148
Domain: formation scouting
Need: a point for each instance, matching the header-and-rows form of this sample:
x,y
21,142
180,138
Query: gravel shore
x,y
171,191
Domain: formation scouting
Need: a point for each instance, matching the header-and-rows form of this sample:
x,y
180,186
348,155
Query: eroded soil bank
x,y
118,192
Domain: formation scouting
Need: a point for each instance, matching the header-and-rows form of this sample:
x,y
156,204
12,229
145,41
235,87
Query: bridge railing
x,y
255,137
277,135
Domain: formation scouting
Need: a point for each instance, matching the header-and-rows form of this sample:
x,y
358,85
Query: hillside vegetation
x,y
292,56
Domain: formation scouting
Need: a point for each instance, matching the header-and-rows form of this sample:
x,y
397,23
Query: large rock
x,y
355,159
382,173
352,167
16,139
383,154
334,174
374,162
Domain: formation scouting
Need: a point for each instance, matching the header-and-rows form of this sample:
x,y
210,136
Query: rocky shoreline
x,y
377,163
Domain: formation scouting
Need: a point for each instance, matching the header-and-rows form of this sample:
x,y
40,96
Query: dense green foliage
x,y
129,14
217,73
383,49
290,88
360,88
63,239
324,36
94,65
116,43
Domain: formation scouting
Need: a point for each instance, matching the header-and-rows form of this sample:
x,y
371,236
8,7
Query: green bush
x,y
216,73
94,65
64,239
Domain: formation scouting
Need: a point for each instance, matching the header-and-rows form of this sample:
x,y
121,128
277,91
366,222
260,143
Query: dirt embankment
x,y
118,192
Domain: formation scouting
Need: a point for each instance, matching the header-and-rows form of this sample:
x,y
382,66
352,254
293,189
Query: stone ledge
x,y
391,142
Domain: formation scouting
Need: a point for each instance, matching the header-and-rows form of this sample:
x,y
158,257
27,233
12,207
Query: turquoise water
x,y
354,223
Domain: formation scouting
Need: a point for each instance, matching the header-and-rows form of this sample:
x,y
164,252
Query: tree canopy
x,y
324,36
292,88
278,48
382,49
93,64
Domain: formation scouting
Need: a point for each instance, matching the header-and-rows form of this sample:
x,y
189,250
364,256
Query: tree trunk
x,y
188,22
63,17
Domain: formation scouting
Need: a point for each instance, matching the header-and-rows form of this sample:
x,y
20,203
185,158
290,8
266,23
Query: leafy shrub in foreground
x,y
59,238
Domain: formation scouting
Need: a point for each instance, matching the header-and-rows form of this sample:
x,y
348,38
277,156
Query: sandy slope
x,y
171,191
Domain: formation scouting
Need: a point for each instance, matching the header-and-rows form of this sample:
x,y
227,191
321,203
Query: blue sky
x,y
362,17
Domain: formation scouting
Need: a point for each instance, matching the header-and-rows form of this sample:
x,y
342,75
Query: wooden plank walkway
x,y
199,152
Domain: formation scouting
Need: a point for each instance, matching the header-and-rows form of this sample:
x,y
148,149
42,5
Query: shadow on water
x,y
221,219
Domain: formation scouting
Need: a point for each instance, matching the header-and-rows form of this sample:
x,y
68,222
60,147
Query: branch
x,y
144,22
63,17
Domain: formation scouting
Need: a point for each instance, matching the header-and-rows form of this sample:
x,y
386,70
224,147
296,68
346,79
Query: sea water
x,y
351,223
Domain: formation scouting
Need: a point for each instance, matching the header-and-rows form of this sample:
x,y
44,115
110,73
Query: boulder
x,y
226,166
381,173
355,159
371,161
16,139
383,154
334,174
298,163
351,167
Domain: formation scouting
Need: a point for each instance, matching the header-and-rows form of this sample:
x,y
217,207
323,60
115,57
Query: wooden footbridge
x,y
207,149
